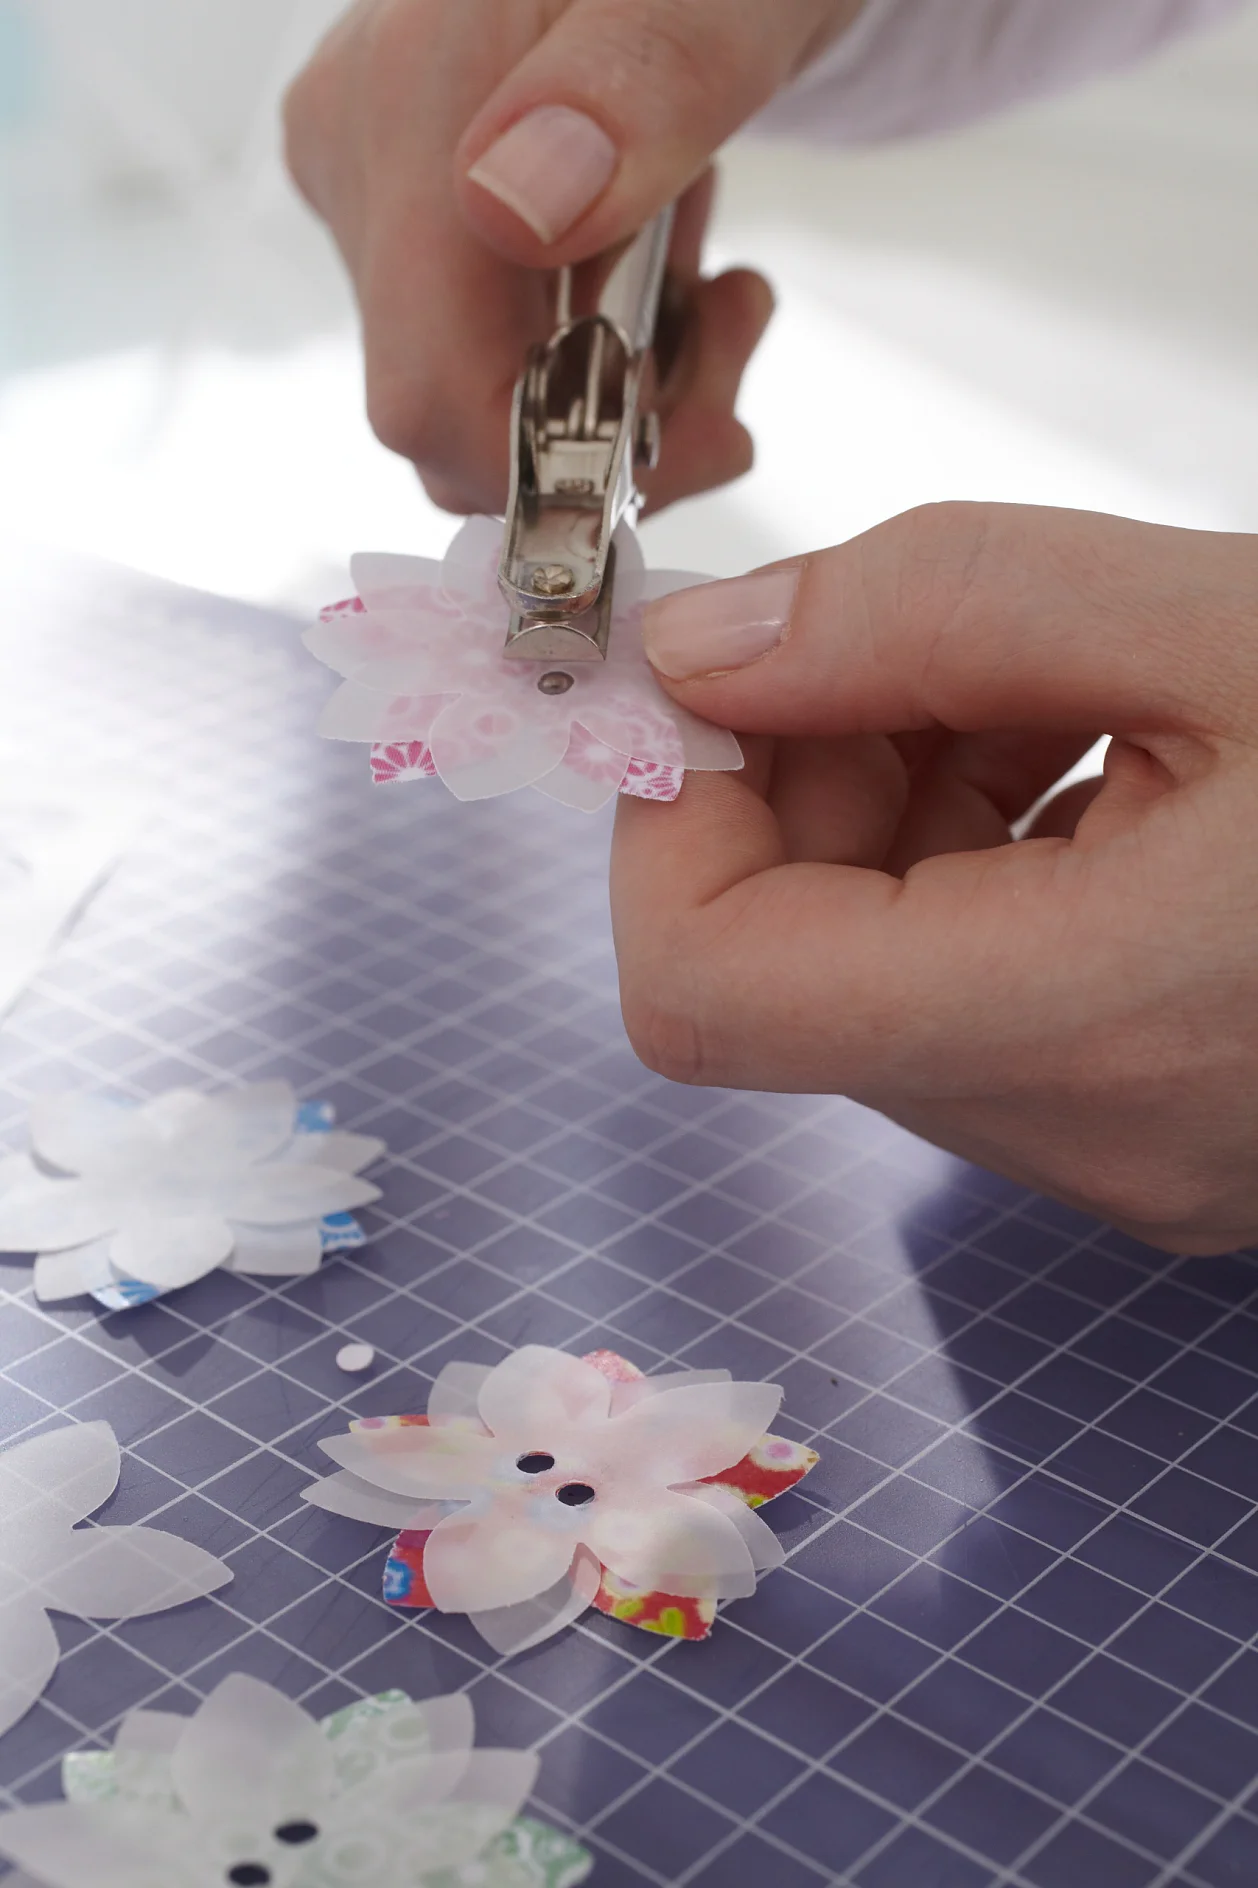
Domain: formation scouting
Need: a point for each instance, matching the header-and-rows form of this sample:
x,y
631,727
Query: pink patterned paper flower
x,y
428,686
536,1477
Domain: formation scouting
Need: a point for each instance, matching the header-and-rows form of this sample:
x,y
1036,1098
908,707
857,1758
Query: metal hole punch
x,y
577,440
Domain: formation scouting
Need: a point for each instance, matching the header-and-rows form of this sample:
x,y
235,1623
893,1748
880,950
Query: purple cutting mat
x,y
1012,1642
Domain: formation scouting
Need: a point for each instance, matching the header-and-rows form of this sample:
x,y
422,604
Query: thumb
x,y
975,617
618,108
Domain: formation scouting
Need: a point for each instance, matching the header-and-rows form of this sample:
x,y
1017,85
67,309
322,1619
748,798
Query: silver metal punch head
x,y
578,436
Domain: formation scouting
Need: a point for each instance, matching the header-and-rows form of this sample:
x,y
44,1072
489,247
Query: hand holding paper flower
x,y
47,1486
428,684
155,1196
250,1792
549,1483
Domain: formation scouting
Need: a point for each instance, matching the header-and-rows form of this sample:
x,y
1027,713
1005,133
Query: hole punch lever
x,y
577,439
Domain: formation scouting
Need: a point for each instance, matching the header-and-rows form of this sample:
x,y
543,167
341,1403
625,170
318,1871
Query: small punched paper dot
x,y
355,1357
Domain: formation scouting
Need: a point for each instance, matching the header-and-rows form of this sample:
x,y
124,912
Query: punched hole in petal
x,y
296,1832
575,1494
534,1464
249,1875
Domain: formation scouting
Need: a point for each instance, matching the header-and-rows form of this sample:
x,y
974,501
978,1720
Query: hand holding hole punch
x,y
462,150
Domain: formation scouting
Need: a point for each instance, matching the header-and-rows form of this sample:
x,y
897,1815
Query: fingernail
x,y
719,626
548,168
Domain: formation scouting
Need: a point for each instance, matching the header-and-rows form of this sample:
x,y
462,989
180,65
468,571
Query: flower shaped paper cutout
x,y
550,1483
130,1201
251,1792
47,1486
428,685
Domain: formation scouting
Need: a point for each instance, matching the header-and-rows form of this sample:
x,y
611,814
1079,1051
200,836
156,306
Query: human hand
x,y
1079,1009
412,133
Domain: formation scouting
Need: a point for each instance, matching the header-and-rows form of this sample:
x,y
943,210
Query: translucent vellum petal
x,y
168,1253
766,1550
441,1464
60,1275
513,1629
448,1721
250,1752
356,713
155,1733
686,1434
285,1191
707,748
252,1122
77,1132
483,747
471,560
455,1396
637,721
123,1572
572,786
61,1477
483,1565
28,1658
42,1215
669,1544
346,1153
387,580
277,1251
68,1845
359,1500
638,1389
441,1834
537,1389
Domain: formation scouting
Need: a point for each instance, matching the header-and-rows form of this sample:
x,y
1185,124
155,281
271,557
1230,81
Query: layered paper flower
x,y
128,1201
427,684
47,1486
551,1483
250,1792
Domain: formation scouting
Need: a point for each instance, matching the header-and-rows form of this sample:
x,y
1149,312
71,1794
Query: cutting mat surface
x,y
1012,1643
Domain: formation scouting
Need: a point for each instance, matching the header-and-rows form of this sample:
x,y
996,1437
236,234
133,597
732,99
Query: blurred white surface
x,y
1057,307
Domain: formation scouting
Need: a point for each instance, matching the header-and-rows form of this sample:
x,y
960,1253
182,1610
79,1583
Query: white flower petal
x,y
455,1394
248,1752
438,1464
60,1477
28,1658
472,556
638,1389
511,1629
344,1152
449,1721
124,1572
75,1845
536,1390
483,746
358,1500
277,1251
384,579
571,787
283,1192
707,748
686,1434
169,1252
42,1215
150,1733
252,1122
60,1275
483,1565
357,713
766,1550
78,1133
668,1543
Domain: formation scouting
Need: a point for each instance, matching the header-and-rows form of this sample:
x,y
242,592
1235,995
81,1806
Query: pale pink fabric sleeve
x,y
911,66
